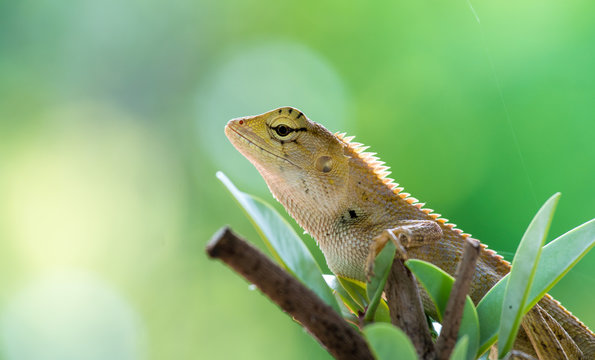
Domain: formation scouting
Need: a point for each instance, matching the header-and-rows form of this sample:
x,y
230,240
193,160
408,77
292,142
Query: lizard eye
x,y
283,130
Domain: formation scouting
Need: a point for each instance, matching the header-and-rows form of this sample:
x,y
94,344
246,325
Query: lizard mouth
x,y
250,142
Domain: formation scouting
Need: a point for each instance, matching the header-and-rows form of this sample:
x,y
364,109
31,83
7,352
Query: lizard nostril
x,y
241,122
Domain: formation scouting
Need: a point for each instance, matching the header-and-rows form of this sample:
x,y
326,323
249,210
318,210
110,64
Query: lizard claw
x,y
405,236
376,246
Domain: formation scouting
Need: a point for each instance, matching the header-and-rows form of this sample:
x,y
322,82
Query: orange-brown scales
x,y
341,195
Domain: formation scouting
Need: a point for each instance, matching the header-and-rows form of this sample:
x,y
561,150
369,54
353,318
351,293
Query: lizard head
x,y
298,158
318,176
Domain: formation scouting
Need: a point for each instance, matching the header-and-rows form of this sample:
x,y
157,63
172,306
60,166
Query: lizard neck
x,y
343,216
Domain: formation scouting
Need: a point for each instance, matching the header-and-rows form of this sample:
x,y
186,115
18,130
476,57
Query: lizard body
x,y
342,196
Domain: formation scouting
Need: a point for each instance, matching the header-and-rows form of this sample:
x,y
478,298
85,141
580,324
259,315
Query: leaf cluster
x,y
496,318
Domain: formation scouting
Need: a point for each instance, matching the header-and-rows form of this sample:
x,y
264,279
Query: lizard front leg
x,y
406,233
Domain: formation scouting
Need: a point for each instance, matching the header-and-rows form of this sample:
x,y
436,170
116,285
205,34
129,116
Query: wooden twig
x,y
456,302
404,303
320,320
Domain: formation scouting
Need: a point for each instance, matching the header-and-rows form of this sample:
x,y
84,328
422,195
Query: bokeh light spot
x,y
70,316
97,181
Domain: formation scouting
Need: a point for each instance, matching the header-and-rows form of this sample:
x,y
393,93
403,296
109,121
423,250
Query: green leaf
x,y
348,309
375,287
557,258
283,242
489,311
460,350
438,285
333,282
356,290
389,342
436,282
522,273
382,312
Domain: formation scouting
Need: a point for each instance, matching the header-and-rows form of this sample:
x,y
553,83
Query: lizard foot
x,y
407,234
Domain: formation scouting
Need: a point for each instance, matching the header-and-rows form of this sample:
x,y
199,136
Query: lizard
x,y
342,196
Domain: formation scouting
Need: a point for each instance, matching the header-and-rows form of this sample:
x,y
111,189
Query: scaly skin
x,y
341,196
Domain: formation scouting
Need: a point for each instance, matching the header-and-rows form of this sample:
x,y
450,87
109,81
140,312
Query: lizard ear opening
x,y
324,164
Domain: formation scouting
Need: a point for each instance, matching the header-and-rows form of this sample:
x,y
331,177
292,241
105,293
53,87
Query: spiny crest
x,y
382,172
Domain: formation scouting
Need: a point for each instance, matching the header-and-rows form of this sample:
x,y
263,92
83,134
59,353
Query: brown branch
x,y
404,303
301,303
456,302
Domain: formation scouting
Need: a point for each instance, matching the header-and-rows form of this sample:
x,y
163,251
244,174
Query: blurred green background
x,y
111,131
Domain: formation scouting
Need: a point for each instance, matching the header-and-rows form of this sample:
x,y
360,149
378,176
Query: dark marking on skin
x,y
290,110
300,115
351,216
306,189
283,149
